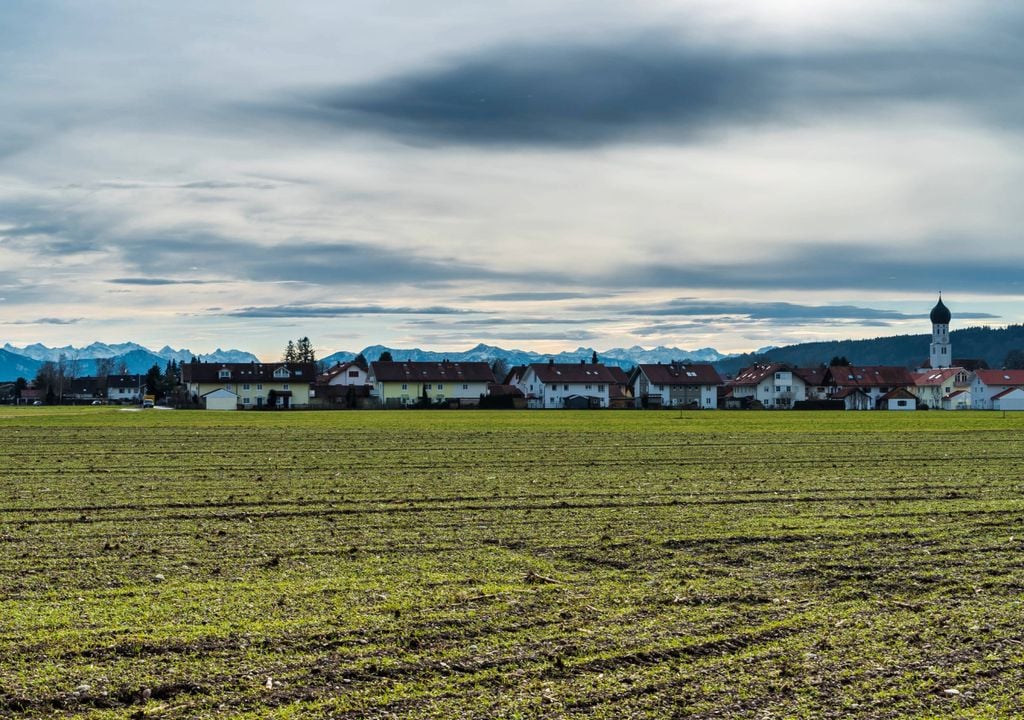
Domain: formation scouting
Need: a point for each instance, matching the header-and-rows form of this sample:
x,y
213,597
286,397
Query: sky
x,y
538,174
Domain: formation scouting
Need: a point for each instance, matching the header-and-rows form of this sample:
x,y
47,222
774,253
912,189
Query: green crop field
x,y
176,564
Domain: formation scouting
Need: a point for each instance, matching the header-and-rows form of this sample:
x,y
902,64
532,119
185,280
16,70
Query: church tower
x,y
941,355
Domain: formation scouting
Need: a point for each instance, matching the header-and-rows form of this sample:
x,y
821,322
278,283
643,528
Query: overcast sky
x,y
539,174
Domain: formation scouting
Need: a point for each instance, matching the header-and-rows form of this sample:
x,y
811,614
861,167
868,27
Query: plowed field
x,y
510,564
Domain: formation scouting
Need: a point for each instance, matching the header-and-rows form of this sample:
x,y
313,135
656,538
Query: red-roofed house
x,y
989,383
932,386
676,385
398,384
557,385
875,380
774,386
898,399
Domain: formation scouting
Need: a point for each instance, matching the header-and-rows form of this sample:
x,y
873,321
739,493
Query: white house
x,y
774,386
401,384
676,385
220,399
1012,399
989,383
899,399
933,386
345,374
126,388
557,385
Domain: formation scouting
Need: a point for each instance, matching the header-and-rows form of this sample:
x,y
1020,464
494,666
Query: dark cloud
x,y
47,321
844,267
542,296
328,311
782,312
658,87
156,281
334,264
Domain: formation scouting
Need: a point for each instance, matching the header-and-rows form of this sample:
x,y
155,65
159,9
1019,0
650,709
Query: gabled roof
x,y
121,381
514,373
812,376
756,373
955,393
899,394
431,372
621,378
1007,391
680,374
202,372
1000,377
931,378
338,369
573,373
869,376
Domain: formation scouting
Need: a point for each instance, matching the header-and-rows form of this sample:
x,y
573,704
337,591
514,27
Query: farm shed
x,y
1012,399
221,400
898,399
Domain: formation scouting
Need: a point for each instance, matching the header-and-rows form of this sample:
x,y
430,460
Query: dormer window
x,y
282,372
224,374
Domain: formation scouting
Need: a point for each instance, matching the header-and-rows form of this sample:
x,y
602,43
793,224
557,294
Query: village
x,y
942,382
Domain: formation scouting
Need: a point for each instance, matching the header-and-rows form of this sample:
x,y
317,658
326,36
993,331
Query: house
x,y
345,385
875,380
1011,399
932,386
772,385
854,399
989,383
403,384
355,372
550,385
126,388
620,395
82,389
957,400
220,399
898,399
676,385
257,385
814,382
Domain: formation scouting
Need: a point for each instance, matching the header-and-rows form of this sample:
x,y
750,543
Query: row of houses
x,y
551,385
81,390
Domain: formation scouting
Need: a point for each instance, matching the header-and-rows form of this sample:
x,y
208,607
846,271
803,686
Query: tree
x,y
19,385
839,360
360,362
46,379
500,369
304,351
290,355
155,381
593,358
1014,360
386,356
104,369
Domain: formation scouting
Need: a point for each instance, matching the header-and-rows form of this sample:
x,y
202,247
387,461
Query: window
x,y
246,401
600,388
353,373
778,388
259,386
465,387
587,387
405,386
789,388
224,373
281,372
426,386
566,387
901,403
285,386
778,376
440,386
245,386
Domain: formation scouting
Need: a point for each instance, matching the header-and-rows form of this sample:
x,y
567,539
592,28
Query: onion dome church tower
x,y
941,355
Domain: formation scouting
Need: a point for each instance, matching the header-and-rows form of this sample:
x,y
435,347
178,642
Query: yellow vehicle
x,y
148,401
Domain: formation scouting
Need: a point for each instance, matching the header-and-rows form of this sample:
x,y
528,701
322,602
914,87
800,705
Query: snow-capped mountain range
x,y
42,353
25,361
622,357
